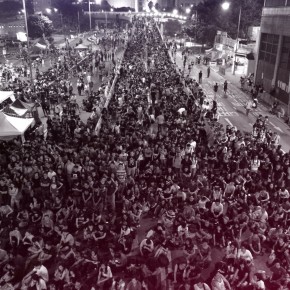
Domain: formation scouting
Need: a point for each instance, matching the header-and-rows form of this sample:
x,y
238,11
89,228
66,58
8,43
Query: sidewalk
x,y
267,100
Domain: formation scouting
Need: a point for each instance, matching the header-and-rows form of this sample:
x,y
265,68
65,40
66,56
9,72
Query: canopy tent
x,y
28,106
4,95
213,49
40,46
81,46
12,111
19,109
11,127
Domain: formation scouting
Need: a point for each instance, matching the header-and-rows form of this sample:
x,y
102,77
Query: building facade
x,y
273,65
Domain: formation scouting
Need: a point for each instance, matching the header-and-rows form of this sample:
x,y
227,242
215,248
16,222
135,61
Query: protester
x,y
88,194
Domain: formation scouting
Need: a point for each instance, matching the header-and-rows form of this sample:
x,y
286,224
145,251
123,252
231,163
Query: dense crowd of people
x,y
74,204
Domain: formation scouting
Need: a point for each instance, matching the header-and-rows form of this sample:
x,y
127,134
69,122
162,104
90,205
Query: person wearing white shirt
x,y
200,285
245,254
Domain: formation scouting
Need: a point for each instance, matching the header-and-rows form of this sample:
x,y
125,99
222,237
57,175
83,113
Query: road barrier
x,y
110,90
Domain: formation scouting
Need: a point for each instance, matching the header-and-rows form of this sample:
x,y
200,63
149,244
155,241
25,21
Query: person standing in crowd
x,y
248,107
86,195
225,87
215,90
200,77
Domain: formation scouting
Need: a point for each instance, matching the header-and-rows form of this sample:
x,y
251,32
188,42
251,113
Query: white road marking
x,y
275,127
229,121
227,114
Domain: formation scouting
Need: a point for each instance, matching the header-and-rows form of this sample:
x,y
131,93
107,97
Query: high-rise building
x,y
273,65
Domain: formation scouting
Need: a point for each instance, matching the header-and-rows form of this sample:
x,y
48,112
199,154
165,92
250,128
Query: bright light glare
x,y
48,10
98,1
226,5
175,12
187,10
55,10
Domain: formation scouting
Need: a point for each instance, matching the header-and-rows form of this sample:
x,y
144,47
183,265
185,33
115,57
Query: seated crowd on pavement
x,y
74,204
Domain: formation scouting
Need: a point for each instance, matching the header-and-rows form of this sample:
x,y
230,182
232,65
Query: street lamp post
x,y
90,12
28,53
78,14
226,6
90,15
79,27
49,11
61,20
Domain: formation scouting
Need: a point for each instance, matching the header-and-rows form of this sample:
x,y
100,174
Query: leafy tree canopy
x,y
211,17
9,8
39,26
172,27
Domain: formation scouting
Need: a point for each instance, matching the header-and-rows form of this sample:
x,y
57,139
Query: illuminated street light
x,y
226,5
49,11
187,10
28,52
98,2
175,12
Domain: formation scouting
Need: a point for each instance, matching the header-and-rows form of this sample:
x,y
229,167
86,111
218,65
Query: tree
x,y
172,27
39,26
157,6
29,7
10,8
211,18
150,5
85,23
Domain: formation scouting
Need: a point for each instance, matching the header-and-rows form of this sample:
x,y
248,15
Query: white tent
x,y
18,111
81,47
11,127
40,46
4,95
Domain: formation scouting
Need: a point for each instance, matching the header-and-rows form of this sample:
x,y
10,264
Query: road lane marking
x,y
276,127
227,120
227,114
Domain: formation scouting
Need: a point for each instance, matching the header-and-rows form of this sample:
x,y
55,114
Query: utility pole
x,y
28,47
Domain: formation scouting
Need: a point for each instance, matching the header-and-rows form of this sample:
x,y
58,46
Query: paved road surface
x,y
231,107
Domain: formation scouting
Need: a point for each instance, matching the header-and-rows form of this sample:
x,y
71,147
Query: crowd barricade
x,y
109,91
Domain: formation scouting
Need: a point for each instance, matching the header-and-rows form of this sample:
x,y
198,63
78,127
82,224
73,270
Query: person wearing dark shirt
x,y
3,192
241,276
278,274
45,185
75,175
